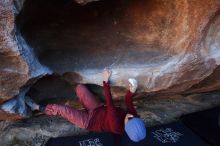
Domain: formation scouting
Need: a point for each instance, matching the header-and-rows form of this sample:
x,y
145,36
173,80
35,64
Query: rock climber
x,y
96,116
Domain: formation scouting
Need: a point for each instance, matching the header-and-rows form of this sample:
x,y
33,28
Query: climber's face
x,y
128,117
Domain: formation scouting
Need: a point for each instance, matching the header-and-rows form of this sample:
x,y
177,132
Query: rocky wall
x,y
168,46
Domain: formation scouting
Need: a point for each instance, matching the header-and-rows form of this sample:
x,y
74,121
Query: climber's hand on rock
x,y
133,84
106,74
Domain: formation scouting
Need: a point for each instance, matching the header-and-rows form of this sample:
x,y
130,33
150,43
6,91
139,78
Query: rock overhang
x,y
169,46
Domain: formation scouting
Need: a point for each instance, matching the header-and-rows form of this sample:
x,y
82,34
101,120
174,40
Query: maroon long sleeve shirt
x,y
111,118
104,118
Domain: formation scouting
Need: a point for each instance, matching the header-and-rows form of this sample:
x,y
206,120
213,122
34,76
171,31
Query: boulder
x,y
168,46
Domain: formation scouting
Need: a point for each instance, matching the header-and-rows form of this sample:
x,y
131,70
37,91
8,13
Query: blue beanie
x,y
135,129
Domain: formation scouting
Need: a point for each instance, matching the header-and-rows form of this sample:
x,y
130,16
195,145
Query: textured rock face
x,y
36,131
13,68
18,63
169,46
154,111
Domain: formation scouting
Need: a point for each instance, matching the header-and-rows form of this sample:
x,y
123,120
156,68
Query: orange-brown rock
x,y
13,68
168,46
